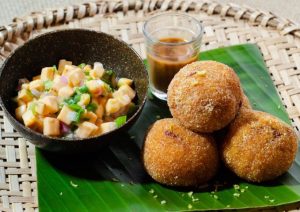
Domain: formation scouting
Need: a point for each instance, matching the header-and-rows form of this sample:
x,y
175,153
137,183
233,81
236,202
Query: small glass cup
x,y
172,41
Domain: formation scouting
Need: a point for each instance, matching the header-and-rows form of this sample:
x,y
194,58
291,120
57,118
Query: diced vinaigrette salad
x,y
75,101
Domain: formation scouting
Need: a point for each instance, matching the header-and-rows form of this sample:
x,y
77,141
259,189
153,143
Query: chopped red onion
x,y
64,79
64,129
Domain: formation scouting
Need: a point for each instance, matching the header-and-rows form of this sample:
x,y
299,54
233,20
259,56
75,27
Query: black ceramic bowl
x,y
78,46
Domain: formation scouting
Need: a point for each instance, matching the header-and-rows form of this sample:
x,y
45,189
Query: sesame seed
x,y
236,194
61,193
158,116
155,196
271,200
190,206
190,193
195,199
278,106
246,187
163,202
216,196
73,184
151,191
242,190
236,187
227,206
132,137
267,197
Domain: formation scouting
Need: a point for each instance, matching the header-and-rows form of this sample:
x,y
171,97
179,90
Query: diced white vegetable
x,y
87,68
40,108
39,125
36,85
99,111
36,77
51,126
47,73
20,102
107,127
84,99
69,69
51,104
25,86
76,77
125,90
65,92
66,115
96,87
25,95
123,99
61,65
20,111
112,106
92,117
98,70
59,82
124,81
85,129
29,118
102,101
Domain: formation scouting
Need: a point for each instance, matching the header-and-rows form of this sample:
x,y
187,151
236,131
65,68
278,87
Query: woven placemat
x,y
277,38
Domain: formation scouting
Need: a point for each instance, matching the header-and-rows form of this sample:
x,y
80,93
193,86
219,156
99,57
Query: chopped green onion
x,y
55,68
110,72
89,78
120,121
81,65
92,107
83,89
78,116
73,100
86,73
77,98
48,85
75,107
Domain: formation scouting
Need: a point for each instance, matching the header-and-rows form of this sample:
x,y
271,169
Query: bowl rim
x,y
65,139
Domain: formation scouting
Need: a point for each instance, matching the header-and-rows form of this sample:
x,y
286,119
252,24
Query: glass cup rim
x,y
199,36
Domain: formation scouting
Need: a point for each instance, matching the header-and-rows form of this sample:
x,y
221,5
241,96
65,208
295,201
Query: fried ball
x,y
176,156
259,147
204,96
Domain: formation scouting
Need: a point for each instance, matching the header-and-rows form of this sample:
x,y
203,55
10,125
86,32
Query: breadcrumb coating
x,y
176,156
204,96
258,146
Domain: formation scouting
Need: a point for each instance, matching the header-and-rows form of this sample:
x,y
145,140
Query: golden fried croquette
x,y
176,156
204,96
258,146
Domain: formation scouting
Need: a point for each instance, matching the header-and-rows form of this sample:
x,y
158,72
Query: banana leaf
x,y
113,179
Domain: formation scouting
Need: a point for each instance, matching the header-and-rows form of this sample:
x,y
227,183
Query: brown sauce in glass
x,y
166,60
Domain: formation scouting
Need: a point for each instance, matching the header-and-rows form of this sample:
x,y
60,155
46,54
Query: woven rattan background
x,y
278,39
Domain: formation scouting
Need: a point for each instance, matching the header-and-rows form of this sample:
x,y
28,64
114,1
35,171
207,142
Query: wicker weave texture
x,y
278,39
